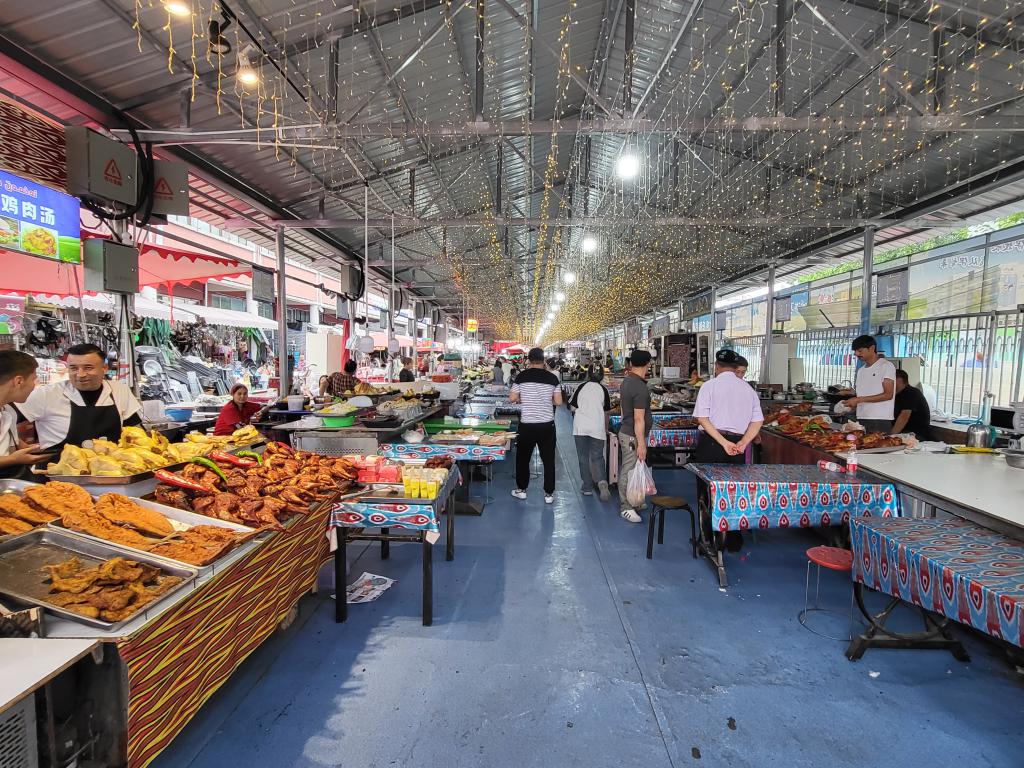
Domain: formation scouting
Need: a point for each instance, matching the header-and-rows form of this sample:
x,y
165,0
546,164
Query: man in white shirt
x,y
84,407
590,405
875,386
17,380
729,413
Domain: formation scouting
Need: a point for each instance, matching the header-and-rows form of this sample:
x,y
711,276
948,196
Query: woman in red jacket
x,y
236,413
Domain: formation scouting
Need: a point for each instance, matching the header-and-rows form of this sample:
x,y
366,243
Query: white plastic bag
x,y
641,485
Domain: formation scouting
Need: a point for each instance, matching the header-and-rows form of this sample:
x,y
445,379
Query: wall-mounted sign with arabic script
x,y
38,220
695,306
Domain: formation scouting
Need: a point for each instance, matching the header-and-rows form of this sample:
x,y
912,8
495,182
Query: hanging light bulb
x,y
628,166
551,315
589,244
178,8
247,74
570,277
559,297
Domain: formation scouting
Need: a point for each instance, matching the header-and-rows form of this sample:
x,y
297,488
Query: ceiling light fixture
x,y
551,315
628,166
570,277
559,297
247,73
589,244
178,8
219,44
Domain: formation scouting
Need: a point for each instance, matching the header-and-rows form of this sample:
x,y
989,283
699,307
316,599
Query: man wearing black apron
x,y
17,381
85,407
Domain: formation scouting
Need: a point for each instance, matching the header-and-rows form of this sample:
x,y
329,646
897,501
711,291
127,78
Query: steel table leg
x,y
340,579
449,549
385,545
712,543
428,582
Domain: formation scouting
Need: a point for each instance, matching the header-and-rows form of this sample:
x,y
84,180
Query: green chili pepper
x,y
210,465
251,455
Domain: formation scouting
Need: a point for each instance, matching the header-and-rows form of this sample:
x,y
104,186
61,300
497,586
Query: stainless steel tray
x,y
23,577
180,520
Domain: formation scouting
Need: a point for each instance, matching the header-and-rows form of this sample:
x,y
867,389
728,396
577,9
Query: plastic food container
x,y
178,414
295,402
338,421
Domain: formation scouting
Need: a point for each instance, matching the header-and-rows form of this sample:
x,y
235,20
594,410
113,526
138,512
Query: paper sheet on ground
x,y
368,588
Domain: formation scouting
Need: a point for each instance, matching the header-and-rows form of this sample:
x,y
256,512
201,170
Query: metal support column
x,y
769,321
282,316
478,100
627,98
714,319
866,279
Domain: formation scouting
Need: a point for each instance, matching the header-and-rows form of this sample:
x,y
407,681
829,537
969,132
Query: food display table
x,y
777,448
976,487
953,568
741,497
309,434
350,519
675,445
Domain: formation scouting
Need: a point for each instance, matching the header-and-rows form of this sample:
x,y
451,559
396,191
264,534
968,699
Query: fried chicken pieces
x,y
17,515
264,496
111,591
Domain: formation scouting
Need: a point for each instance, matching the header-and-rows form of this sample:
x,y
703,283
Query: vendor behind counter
x,y
17,382
85,407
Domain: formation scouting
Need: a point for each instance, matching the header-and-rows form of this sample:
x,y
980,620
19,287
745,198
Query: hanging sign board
x,y
38,220
659,327
695,306
633,333
472,324
892,288
783,309
262,284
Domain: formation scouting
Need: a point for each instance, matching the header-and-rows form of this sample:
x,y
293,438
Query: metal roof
x,y
414,63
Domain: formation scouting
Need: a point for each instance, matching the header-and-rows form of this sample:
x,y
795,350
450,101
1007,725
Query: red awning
x,y
158,266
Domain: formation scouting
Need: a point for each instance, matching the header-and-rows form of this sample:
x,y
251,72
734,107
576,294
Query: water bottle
x,y
830,466
851,456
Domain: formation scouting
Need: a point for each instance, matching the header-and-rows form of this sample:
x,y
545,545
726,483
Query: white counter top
x,y
980,484
29,663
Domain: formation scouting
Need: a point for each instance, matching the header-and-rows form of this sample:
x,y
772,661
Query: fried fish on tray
x,y
88,520
58,498
111,591
13,507
10,525
121,510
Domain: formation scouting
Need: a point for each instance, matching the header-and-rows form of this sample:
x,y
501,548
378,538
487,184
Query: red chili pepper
x,y
169,478
229,458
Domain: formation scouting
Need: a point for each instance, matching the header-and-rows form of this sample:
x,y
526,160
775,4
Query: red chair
x,y
835,559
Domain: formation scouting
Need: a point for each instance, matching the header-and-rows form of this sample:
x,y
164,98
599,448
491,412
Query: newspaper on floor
x,y
368,588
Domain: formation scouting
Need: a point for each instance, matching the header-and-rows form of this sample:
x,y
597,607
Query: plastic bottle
x,y
830,466
851,456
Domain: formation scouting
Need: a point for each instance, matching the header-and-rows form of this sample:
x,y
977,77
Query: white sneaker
x,y
630,516
586,491
549,499
519,494
602,488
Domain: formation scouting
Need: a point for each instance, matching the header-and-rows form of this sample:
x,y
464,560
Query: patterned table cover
x,y
615,420
789,496
413,517
663,438
952,567
481,453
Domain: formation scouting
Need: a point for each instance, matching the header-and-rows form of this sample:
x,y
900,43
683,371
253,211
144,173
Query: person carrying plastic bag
x,y
637,422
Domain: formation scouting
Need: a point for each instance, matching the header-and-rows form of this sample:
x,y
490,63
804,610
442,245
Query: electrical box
x,y
100,167
344,308
170,188
350,281
110,267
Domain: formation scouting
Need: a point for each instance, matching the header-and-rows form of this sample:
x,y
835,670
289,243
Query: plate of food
x,y
10,231
41,241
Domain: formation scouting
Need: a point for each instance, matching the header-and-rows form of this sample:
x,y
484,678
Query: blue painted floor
x,y
557,643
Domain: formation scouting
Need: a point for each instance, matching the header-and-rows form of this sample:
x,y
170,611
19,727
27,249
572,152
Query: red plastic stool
x,y
835,559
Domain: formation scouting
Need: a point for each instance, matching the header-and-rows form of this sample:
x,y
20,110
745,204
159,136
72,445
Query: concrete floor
x,y
556,643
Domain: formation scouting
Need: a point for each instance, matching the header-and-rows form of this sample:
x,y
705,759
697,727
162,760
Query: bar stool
x,y
659,505
835,559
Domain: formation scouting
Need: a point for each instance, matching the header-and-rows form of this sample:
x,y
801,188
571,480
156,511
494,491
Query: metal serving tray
x,y
22,576
180,520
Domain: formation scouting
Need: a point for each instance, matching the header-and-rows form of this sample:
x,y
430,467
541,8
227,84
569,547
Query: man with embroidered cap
x,y
729,413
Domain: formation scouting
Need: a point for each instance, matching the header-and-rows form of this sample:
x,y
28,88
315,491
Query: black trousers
x,y
543,437
708,451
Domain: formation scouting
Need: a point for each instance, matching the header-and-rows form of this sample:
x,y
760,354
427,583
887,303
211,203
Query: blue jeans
x,y
590,452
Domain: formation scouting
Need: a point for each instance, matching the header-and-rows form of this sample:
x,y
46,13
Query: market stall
x,y
741,498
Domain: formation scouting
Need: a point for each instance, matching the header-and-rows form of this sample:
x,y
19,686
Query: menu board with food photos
x,y
37,220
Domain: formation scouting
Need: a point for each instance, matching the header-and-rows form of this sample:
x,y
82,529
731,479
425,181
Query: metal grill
x,y
18,747
330,445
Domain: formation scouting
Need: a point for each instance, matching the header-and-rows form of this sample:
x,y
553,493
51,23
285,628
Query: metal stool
x,y
660,504
835,559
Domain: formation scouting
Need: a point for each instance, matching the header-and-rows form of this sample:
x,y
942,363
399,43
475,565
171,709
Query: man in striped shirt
x,y
538,392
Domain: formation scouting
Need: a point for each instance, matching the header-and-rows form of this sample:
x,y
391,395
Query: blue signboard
x,y
38,220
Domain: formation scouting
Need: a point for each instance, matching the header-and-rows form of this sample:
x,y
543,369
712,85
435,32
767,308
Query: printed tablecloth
x,y
414,517
615,421
789,496
952,567
483,453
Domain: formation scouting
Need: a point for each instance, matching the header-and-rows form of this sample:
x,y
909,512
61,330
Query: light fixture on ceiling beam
x,y
589,244
627,166
559,297
247,73
551,315
570,277
178,8
218,43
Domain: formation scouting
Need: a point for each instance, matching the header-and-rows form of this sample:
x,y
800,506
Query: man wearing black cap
x,y
538,391
729,414
635,402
